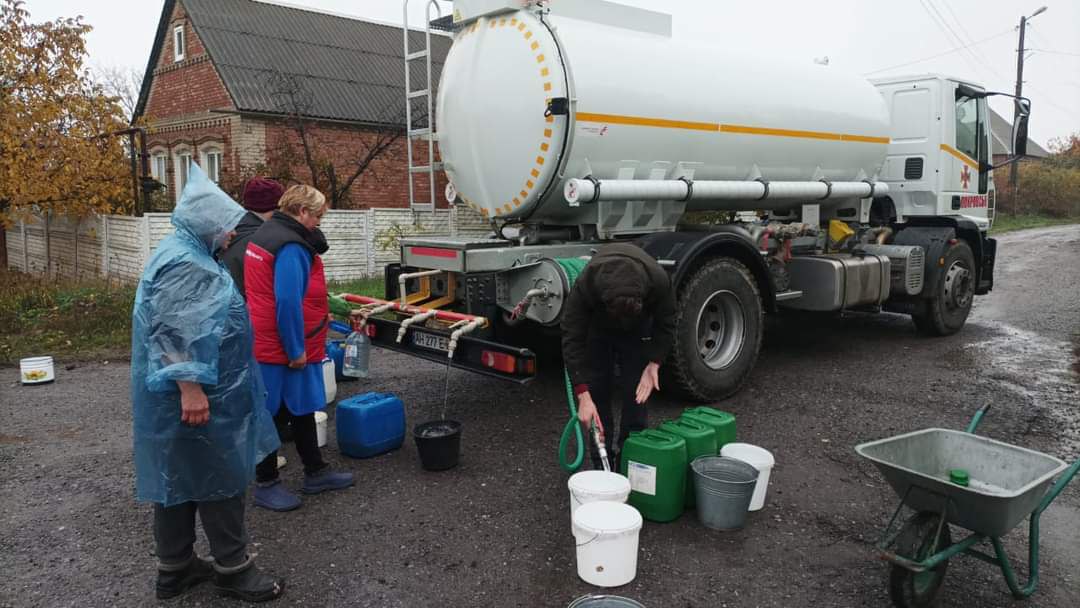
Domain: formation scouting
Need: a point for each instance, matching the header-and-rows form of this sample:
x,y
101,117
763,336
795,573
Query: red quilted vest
x,y
262,305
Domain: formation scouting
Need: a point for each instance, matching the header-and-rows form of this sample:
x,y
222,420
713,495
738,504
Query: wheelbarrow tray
x,y
1006,481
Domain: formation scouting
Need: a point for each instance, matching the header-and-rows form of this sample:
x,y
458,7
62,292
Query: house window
x,y
211,164
158,167
183,165
179,44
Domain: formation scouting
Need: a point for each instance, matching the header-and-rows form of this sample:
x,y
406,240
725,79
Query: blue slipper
x,y
275,497
326,480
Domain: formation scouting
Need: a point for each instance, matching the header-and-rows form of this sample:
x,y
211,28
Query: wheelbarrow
x,y
1005,484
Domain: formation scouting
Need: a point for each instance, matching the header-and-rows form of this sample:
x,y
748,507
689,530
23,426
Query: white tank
x,y
644,106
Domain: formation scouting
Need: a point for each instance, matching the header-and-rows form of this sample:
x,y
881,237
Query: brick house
x,y
239,86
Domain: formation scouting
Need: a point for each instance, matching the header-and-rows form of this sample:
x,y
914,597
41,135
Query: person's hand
x,y
194,407
586,412
299,362
650,381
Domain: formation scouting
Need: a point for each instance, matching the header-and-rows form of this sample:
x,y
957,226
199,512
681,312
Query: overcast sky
x,y
861,36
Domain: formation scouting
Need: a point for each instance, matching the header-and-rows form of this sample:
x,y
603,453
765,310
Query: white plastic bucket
x,y
329,380
761,459
36,370
593,486
320,427
607,542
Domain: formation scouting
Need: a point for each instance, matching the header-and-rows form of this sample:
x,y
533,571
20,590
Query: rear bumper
x,y
472,354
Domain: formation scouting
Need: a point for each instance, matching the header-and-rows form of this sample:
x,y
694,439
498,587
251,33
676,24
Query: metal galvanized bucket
x,y
724,487
604,601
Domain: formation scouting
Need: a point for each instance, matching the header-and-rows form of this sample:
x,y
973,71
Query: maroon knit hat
x,y
262,194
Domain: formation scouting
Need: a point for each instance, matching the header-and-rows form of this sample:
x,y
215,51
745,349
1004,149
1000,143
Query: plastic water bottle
x,y
357,355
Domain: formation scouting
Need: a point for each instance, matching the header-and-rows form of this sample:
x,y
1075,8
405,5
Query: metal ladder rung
x,y
416,55
426,168
420,93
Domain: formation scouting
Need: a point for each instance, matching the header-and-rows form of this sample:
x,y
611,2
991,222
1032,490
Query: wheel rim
x,y
721,329
959,288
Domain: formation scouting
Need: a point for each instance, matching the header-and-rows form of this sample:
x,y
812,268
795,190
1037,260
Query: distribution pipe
x,y
412,275
442,315
590,190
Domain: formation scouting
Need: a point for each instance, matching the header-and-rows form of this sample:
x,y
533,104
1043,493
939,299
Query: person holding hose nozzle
x,y
620,315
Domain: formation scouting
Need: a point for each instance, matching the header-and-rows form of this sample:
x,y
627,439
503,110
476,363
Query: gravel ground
x,y
495,531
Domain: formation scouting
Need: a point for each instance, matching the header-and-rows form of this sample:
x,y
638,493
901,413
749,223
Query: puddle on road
x,y
1041,372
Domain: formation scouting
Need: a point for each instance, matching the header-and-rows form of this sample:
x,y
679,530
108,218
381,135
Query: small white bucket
x,y
592,486
759,458
607,542
329,380
320,428
36,370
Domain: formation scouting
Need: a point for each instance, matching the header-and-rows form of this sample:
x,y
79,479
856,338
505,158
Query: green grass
x,y
67,319
83,320
1008,223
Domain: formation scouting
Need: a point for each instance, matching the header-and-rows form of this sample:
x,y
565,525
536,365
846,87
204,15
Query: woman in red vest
x,y
286,295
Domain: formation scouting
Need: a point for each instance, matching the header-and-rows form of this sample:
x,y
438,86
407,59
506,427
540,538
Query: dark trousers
x,y
306,439
608,352
222,520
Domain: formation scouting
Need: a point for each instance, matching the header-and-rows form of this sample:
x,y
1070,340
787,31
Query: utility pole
x,y
1016,105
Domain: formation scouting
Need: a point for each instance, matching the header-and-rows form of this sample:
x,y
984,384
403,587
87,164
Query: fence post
x,y
25,249
48,245
144,235
105,247
369,241
453,220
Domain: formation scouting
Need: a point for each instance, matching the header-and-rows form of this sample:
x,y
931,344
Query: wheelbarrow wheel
x,y
916,542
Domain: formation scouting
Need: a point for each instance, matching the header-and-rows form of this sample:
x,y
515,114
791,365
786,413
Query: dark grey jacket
x,y
585,311
234,255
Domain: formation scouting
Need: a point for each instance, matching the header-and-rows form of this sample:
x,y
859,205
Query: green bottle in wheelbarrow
x,y
655,463
700,441
723,422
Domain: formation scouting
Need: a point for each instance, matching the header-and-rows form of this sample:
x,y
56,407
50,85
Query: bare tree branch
x,y
123,83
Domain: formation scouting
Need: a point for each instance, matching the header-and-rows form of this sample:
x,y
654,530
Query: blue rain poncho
x,y
191,324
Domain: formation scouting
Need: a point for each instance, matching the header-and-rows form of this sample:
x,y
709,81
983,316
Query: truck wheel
x,y
946,310
719,321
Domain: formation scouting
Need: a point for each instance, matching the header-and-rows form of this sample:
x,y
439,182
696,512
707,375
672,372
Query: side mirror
x,y
1021,137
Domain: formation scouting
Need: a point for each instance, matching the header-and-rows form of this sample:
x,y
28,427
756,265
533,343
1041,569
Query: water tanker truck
x,y
759,185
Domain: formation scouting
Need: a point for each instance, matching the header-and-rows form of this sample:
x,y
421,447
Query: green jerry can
x,y
655,463
700,441
723,422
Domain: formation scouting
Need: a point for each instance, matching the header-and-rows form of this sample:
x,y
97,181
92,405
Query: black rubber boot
x,y
174,579
248,583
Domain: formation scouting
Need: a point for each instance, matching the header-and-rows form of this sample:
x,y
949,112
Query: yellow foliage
x,y
55,154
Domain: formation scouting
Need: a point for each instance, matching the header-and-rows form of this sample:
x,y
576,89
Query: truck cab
x,y
937,164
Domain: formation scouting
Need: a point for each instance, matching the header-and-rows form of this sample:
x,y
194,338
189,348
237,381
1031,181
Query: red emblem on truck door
x,y
965,177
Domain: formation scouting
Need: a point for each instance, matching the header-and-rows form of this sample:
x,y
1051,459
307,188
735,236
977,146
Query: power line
x,y
964,39
1053,52
947,30
948,52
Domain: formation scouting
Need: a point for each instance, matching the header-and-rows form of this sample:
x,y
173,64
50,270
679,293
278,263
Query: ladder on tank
x,y
426,132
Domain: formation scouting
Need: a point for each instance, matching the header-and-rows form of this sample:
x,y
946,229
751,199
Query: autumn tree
x,y
56,154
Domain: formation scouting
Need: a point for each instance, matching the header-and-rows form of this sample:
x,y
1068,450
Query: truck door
x,y
965,184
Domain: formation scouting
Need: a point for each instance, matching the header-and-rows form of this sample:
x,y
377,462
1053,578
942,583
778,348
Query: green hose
x,y
572,267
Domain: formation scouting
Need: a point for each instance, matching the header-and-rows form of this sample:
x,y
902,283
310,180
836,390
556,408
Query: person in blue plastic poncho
x,y
197,399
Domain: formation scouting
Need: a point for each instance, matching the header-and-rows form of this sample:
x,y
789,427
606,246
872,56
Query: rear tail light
x,y
507,364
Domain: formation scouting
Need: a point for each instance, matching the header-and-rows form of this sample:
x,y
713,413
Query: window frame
x,y
160,173
182,170
205,154
179,43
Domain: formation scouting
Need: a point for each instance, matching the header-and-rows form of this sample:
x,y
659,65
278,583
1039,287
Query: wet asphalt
x,y
495,531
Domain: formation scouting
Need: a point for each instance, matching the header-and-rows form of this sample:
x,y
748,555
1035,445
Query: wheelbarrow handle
x,y
975,420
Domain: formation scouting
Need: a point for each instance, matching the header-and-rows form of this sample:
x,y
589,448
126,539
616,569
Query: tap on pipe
x,y
466,327
418,318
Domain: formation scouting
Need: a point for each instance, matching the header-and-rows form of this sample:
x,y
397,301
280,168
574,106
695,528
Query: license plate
x,y
432,341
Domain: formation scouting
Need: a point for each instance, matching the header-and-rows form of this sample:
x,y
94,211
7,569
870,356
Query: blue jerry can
x,y
370,424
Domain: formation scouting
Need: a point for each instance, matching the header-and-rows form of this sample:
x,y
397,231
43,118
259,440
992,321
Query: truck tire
x,y
946,310
719,322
